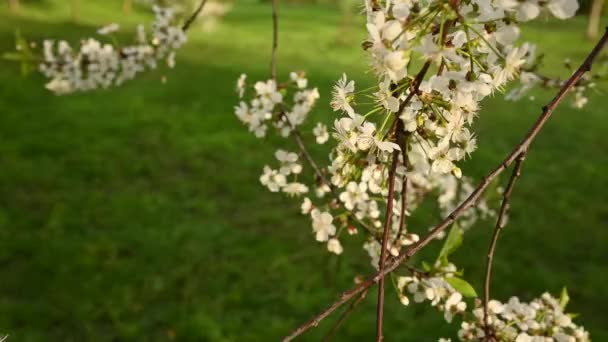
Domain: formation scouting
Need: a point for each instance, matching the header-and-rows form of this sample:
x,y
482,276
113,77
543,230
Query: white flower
x,y
385,97
354,194
386,146
454,305
443,156
299,79
342,96
268,91
401,9
108,29
321,134
334,246
322,189
240,85
395,64
322,224
365,139
59,86
563,9
272,179
171,60
289,162
295,189
580,100
514,60
306,206
523,337
107,65
404,299
346,132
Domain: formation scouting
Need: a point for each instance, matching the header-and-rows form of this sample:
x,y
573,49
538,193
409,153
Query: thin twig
x,y
509,159
387,227
307,156
402,220
500,224
298,138
275,40
344,316
273,74
414,89
194,15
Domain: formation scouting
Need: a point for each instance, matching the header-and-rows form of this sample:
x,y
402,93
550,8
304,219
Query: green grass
x,y
136,213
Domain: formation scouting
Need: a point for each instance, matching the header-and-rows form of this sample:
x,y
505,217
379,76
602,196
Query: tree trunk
x,y
126,6
75,9
13,5
594,19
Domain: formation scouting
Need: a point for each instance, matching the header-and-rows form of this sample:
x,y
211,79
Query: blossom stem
x,y
194,15
492,47
500,224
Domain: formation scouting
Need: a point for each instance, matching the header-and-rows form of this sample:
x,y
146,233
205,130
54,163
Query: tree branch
x,y
387,226
402,220
275,41
273,74
194,15
307,156
508,160
343,316
500,224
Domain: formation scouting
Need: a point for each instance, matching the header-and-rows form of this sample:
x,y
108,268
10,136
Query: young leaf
x,y
452,242
12,56
564,298
24,54
426,267
461,286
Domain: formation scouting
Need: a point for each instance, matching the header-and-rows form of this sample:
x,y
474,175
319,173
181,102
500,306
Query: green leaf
x,y
26,56
461,286
12,56
426,267
564,298
452,242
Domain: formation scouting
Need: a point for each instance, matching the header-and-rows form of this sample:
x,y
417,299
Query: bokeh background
x,y
136,214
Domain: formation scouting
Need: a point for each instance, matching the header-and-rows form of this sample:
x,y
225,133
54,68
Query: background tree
x,y
13,5
594,18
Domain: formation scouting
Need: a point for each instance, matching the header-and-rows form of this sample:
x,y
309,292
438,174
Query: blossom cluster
x,y
434,63
96,64
541,320
276,180
269,105
530,79
436,290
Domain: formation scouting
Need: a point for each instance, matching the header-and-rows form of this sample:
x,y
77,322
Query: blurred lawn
x,y
136,213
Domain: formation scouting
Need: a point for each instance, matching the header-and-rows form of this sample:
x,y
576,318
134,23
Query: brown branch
x,y
414,88
307,156
509,159
344,315
387,227
273,75
194,15
500,224
402,222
